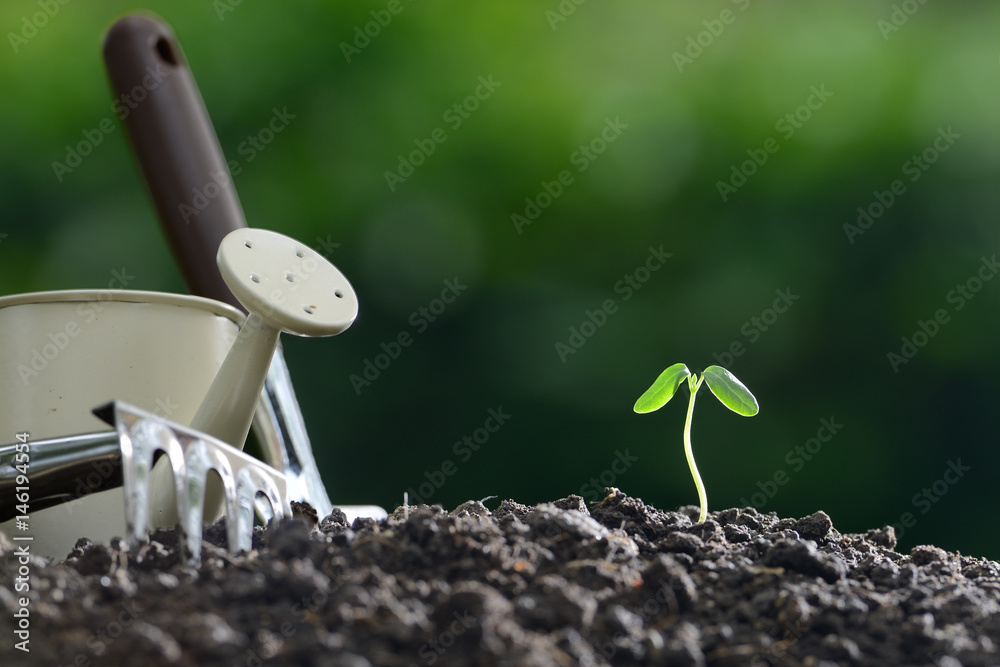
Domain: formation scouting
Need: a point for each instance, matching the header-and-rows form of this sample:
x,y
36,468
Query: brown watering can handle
x,y
175,144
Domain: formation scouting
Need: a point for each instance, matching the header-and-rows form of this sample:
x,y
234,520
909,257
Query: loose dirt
x,y
618,583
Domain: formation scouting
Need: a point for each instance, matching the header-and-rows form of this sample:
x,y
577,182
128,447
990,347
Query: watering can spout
x,y
285,286
227,410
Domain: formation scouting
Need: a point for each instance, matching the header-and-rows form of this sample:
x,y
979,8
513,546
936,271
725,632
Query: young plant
x,y
731,392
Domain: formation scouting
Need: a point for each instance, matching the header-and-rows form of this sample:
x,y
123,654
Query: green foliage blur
x,y
618,121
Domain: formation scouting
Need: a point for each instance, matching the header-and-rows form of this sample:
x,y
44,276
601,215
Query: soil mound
x,y
618,583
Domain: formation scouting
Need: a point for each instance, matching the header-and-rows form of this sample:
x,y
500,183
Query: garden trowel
x,y
191,186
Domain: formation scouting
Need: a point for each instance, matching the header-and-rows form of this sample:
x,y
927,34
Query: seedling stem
x,y
702,494
731,392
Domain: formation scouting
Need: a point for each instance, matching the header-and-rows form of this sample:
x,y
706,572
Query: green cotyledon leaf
x,y
730,391
663,389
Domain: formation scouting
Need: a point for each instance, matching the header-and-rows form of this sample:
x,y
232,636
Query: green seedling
x,y
731,392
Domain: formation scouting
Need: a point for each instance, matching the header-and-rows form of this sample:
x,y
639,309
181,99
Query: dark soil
x,y
622,583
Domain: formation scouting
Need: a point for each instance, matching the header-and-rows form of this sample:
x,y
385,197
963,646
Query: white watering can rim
x,y
285,285
128,296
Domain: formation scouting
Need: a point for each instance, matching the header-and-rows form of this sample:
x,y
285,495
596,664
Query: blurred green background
x,y
683,127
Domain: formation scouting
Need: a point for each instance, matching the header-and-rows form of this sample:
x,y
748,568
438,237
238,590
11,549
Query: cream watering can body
x,y
182,357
